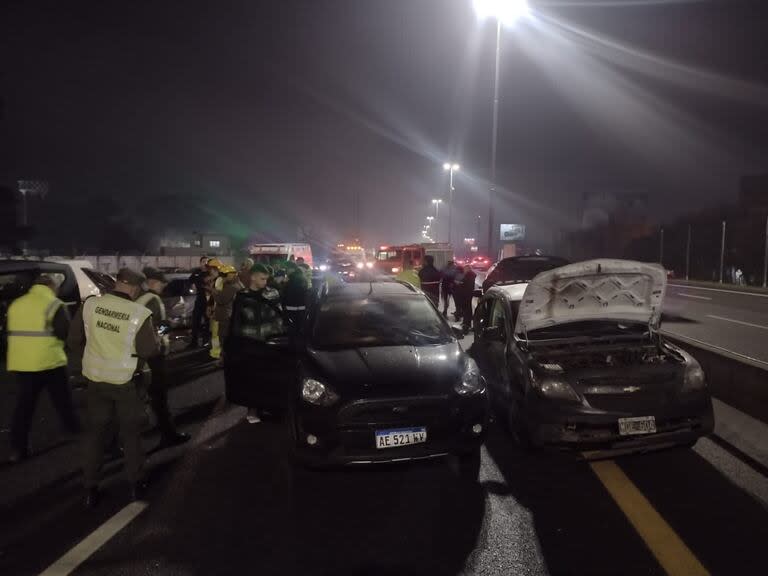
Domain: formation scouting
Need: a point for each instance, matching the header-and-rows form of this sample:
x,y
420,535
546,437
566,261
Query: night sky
x,y
257,117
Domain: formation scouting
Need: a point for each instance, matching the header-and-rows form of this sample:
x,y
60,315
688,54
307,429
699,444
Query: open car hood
x,y
617,290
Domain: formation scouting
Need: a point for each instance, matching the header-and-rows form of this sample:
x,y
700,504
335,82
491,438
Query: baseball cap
x,y
154,274
130,276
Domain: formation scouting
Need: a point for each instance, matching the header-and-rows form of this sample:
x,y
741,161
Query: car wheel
x,y
469,466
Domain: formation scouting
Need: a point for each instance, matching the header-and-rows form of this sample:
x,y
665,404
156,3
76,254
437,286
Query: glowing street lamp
x,y
506,13
449,167
437,202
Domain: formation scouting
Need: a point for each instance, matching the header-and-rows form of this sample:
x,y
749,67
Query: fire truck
x,y
391,260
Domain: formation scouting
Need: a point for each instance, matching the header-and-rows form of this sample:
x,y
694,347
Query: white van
x,y
270,253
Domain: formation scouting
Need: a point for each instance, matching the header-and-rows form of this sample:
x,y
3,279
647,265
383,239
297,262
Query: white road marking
x,y
693,296
689,287
95,540
737,322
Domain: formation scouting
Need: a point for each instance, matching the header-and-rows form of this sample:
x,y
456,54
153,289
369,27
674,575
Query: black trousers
x,y
199,319
447,292
464,305
158,396
30,385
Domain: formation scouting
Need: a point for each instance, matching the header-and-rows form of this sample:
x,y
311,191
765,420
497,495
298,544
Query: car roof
x,y
355,291
512,292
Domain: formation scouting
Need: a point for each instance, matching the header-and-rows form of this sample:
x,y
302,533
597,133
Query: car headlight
x,y
315,392
369,265
323,267
694,379
554,388
359,265
471,381
395,270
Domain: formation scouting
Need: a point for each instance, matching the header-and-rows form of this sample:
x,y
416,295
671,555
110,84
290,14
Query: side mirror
x,y
494,334
458,332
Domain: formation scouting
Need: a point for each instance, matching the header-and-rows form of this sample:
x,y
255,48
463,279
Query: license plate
x,y
641,425
400,437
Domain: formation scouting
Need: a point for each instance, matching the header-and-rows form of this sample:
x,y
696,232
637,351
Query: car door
x,y
488,346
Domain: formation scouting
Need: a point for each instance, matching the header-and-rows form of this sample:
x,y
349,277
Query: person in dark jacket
x,y
199,318
429,276
257,315
294,300
463,295
447,284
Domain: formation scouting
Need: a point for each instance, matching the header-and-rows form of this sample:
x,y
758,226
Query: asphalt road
x,y
732,321
230,502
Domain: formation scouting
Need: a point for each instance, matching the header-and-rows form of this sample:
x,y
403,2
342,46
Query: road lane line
x,y
719,349
95,540
671,552
693,296
689,287
737,321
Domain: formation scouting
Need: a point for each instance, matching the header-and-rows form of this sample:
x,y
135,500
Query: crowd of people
x,y
452,283
121,337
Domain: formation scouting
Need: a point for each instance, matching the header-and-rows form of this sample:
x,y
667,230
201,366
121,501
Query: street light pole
x,y
688,254
494,138
722,252
451,168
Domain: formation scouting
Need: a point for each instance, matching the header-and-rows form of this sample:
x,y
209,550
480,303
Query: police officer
x,y
294,300
199,319
158,387
38,324
114,332
429,277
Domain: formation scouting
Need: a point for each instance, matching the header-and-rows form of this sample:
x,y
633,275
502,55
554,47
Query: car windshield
x,y
395,321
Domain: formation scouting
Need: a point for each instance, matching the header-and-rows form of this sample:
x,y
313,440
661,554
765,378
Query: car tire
x,y
469,466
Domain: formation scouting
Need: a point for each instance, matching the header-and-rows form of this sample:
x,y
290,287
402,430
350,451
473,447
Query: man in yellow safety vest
x,y
38,323
114,333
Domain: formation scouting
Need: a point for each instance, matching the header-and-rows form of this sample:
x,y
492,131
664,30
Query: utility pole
x,y
722,252
688,255
661,247
765,256
494,139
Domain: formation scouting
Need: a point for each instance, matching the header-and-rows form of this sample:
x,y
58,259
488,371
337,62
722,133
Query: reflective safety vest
x,y
111,324
147,297
410,276
32,345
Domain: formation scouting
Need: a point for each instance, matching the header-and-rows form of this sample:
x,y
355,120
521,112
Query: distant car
x,y
481,263
379,377
574,361
520,269
179,298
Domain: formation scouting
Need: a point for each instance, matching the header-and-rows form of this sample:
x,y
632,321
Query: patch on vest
x,y
112,313
108,326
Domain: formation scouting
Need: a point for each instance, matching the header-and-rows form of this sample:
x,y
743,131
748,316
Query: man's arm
x,y
61,323
147,344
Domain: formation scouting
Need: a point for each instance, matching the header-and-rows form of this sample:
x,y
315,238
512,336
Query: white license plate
x,y
641,425
400,437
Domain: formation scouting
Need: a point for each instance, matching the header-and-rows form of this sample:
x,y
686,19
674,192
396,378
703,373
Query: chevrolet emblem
x,y
631,389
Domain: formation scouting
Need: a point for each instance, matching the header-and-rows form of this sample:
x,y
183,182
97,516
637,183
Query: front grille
x,y
637,402
392,410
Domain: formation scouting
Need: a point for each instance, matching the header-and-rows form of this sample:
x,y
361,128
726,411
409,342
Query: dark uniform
x,y
447,284
463,295
199,319
158,365
429,276
114,333
294,301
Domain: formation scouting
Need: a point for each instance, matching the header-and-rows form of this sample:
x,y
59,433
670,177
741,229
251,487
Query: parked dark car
x,y
520,269
574,360
379,377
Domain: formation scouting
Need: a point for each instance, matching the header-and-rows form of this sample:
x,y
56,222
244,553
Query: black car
x,y
574,360
520,269
379,377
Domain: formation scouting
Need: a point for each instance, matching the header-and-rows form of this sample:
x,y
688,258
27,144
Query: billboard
x,y
512,232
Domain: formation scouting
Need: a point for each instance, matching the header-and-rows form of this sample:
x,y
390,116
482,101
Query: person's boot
x,y
174,438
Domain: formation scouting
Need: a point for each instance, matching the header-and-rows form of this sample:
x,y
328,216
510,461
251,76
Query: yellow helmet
x,y
214,263
227,269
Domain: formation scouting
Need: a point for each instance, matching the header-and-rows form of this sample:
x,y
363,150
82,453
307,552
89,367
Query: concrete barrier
x,y
739,384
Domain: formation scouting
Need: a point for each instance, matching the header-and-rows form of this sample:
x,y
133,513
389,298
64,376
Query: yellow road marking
x,y
670,551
